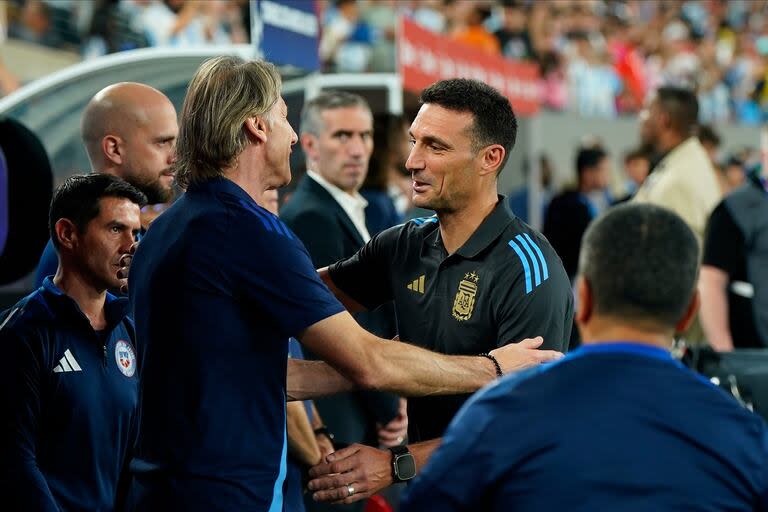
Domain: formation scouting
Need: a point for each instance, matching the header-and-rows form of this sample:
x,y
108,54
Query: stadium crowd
x,y
596,57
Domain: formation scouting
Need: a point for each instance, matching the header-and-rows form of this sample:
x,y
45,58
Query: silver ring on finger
x,y
350,490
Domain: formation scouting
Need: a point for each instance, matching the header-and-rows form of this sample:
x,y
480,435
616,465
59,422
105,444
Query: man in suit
x,y
327,213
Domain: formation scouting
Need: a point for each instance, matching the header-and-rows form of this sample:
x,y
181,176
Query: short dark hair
x,y
707,134
494,120
77,199
588,158
641,262
681,105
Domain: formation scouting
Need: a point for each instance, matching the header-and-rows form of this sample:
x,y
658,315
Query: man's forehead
x,y
437,120
352,116
117,207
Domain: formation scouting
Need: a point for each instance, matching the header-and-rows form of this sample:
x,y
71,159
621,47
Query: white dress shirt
x,y
353,204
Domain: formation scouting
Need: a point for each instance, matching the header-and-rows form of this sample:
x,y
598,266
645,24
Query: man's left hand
x,y
362,468
518,356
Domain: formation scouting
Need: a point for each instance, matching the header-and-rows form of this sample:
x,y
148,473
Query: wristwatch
x,y
325,432
403,465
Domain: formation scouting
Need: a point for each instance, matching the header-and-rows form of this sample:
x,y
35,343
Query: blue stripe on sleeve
x,y
536,274
526,266
277,491
263,220
541,257
286,230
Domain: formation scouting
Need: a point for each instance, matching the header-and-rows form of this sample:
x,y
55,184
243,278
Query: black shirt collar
x,y
485,234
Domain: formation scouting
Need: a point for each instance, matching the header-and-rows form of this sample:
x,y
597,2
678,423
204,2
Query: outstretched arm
x,y
357,358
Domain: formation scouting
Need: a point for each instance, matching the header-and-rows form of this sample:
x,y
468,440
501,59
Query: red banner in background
x,y
424,57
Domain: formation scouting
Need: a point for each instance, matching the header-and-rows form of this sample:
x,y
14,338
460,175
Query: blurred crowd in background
x,y
597,57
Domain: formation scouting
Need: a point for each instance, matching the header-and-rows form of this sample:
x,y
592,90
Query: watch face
x,y
405,467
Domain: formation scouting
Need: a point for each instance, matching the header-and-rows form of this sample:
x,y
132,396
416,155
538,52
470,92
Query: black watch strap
x,y
398,450
403,464
324,431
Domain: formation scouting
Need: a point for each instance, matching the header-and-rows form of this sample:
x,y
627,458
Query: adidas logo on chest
x,y
68,363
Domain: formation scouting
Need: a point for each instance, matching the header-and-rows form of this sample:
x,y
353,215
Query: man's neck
x,y
457,227
669,141
243,175
90,299
609,331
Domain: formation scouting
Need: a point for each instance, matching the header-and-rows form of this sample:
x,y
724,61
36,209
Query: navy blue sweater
x,y
68,396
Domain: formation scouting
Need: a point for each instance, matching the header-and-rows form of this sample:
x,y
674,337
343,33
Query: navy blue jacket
x,y
68,396
219,284
618,426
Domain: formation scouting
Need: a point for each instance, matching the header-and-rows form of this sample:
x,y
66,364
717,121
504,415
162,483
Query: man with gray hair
x,y
633,429
327,213
219,284
129,131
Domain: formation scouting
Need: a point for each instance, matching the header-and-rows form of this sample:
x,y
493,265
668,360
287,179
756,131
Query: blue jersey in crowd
x,y
610,427
68,396
219,285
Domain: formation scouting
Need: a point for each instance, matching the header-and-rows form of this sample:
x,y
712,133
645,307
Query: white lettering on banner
x,y
428,62
496,81
480,74
531,90
407,53
444,66
447,67
289,18
462,69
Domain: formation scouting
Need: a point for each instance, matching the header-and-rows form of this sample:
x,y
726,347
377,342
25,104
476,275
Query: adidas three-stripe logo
x,y
269,220
531,257
67,364
417,285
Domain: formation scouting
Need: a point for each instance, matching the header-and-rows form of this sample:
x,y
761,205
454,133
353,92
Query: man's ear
x,y
585,301
690,313
492,157
66,233
666,120
256,128
309,145
112,147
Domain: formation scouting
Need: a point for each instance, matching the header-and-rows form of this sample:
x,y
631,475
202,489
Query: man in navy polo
x,y
219,285
627,425
68,389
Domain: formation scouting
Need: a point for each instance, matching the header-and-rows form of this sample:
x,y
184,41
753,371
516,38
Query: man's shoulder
x,y
412,230
501,392
304,206
29,317
532,250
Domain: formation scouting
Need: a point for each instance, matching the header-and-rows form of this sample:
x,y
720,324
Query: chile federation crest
x,y
125,357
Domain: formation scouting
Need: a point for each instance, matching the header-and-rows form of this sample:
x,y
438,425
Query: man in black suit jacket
x,y
327,213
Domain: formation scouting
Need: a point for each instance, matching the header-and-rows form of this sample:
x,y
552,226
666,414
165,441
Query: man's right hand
x,y
366,469
518,356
